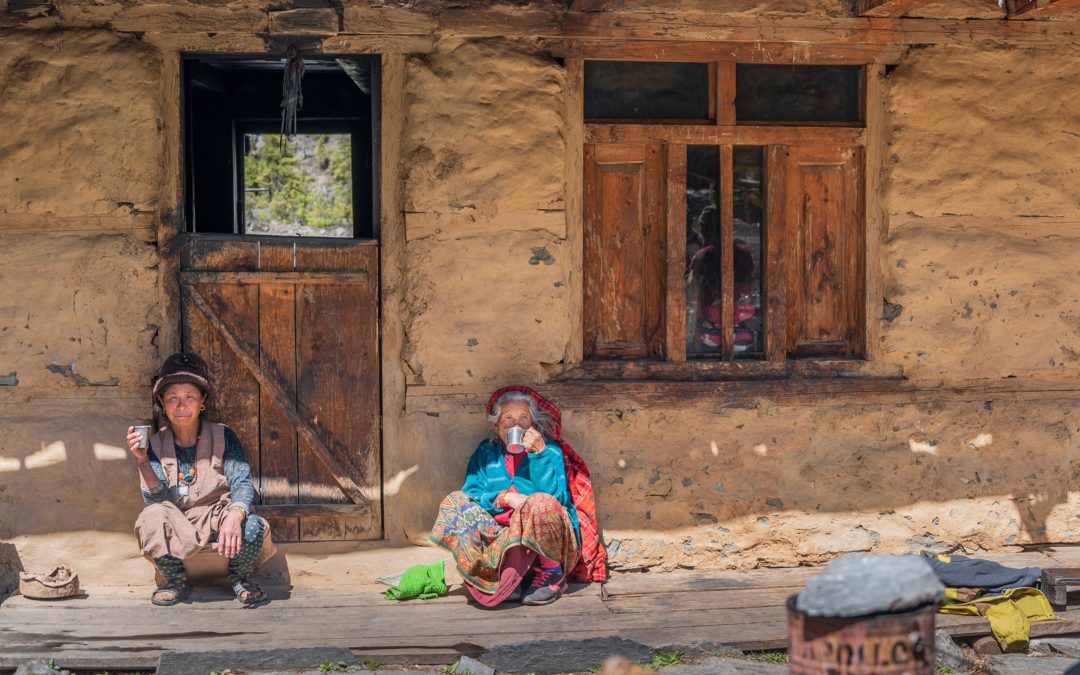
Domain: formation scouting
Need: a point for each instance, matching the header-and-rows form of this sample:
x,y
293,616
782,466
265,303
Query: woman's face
x,y
182,403
513,414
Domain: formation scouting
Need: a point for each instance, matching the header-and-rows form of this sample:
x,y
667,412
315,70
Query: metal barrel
x,y
879,644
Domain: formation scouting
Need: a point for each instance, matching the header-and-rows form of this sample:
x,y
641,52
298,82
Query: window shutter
x,y
824,251
624,251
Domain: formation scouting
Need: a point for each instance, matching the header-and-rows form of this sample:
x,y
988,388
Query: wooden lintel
x,y
305,278
279,398
1033,9
895,8
742,52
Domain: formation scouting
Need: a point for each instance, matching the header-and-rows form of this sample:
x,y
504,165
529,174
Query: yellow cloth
x,y
1010,613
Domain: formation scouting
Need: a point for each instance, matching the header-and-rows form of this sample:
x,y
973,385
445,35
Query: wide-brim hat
x,y
183,368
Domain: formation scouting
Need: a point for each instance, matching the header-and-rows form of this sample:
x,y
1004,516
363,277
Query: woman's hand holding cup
x,y
137,438
533,441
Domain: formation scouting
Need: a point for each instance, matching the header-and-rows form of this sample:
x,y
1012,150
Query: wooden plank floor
x,y
117,628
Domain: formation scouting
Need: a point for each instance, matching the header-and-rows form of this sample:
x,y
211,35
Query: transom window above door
x,y
723,212
244,176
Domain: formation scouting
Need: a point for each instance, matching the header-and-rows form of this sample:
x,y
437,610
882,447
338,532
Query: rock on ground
x,y
720,666
200,663
886,583
38,667
1066,646
547,657
947,651
1019,664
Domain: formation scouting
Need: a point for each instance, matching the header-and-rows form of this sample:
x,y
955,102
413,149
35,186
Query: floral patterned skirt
x,y
480,545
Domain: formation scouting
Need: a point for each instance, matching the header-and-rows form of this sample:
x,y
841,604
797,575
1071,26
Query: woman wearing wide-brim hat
x,y
196,482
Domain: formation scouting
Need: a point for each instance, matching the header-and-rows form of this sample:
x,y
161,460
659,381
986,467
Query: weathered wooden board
x,y
624,250
292,327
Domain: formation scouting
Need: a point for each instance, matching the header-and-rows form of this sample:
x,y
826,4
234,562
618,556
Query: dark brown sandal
x,y
179,588
248,593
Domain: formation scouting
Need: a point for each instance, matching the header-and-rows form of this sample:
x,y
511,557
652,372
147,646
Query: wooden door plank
x,y
309,278
279,477
278,398
235,400
339,385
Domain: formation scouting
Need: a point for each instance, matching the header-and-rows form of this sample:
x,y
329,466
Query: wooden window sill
x,y
703,370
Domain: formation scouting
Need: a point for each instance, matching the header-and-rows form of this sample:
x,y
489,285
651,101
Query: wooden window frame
x,y
726,133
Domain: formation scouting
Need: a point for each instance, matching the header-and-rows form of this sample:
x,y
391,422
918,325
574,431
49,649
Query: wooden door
x,y
290,331
824,253
624,271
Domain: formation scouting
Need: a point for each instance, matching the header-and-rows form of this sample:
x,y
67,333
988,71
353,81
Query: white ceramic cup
x,y
513,440
144,435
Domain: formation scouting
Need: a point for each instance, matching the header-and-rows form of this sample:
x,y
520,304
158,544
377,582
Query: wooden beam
x,y
708,134
278,397
741,52
312,21
673,26
574,210
1033,9
895,8
306,278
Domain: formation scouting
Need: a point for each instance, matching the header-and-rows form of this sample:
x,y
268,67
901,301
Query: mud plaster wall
x,y
979,260
80,171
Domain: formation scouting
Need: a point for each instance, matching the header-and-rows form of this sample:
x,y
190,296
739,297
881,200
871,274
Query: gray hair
x,y
541,419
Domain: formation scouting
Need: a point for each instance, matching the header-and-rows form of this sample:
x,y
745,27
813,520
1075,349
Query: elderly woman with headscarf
x,y
525,521
196,483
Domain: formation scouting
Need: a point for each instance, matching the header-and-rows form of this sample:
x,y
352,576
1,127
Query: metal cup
x,y
144,435
513,440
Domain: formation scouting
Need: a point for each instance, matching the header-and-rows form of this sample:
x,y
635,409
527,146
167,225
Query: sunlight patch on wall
x,y
981,441
761,449
103,452
9,464
922,446
53,453
714,449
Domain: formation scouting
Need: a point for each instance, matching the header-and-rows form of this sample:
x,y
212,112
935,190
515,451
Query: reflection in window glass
x,y
704,304
298,186
646,90
797,93
747,230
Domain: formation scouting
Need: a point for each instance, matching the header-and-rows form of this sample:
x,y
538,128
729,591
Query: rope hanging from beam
x,y
292,94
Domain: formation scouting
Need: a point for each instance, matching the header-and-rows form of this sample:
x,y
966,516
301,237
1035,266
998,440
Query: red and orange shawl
x,y
593,563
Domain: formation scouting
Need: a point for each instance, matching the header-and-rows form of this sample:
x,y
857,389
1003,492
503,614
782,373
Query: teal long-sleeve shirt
x,y
543,471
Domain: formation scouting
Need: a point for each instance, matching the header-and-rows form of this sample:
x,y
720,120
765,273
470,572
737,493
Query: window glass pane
x,y
704,304
748,164
301,185
797,93
646,90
